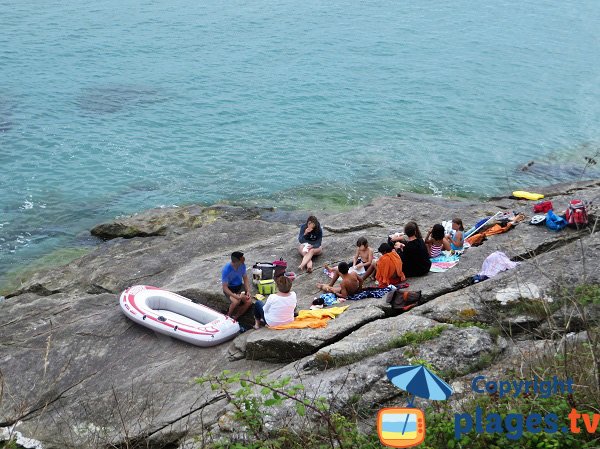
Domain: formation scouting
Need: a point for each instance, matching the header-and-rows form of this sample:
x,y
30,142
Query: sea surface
x,y
112,107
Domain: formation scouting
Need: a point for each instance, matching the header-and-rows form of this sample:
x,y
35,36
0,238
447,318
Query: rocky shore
x,y
76,372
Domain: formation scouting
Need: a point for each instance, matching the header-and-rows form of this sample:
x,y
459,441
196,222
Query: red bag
x,y
542,207
280,267
576,214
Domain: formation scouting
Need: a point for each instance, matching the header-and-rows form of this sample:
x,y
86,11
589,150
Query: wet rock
x,y
174,220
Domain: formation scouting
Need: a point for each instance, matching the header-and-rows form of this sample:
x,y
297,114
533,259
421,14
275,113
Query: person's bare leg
x,y
234,303
305,260
329,289
324,287
371,270
242,308
303,255
313,252
334,278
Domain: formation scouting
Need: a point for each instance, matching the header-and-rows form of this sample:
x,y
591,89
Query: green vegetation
x,y
414,338
538,308
587,294
441,431
256,400
10,444
581,295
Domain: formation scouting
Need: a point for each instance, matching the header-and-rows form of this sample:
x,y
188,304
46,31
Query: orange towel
x,y
389,269
496,229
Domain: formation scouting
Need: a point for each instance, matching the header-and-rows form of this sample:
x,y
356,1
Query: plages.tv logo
x,y
405,426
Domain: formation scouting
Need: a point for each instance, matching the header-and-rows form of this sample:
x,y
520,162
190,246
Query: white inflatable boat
x,y
176,316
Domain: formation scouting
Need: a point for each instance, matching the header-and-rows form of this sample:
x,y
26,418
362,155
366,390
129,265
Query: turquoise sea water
x,y
111,107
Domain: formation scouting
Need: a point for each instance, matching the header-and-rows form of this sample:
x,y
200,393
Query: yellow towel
x,y
312,318
320,313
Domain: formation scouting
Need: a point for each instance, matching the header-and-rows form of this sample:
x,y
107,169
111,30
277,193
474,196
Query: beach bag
x,y
262,270
280,267
542,207
404,300
555,222
576,214
266,287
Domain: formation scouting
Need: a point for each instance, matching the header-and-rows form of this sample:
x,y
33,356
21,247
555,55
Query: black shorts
x,y
234,289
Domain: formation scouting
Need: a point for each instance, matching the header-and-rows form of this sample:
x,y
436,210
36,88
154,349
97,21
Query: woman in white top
x,y
279,307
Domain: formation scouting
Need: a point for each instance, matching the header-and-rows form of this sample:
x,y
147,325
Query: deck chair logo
x,y
405,426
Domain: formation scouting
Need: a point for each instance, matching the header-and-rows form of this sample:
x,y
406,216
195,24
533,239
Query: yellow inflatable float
x,y
527,195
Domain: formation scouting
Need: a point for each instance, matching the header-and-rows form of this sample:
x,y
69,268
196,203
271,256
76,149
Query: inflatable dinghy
x,y
178,317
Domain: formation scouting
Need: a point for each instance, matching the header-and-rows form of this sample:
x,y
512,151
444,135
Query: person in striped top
x,y
435,241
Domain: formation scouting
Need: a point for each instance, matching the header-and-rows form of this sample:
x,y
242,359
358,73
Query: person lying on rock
x,y
351,282
236,286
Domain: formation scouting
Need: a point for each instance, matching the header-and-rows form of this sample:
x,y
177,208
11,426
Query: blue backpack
x,y
555,222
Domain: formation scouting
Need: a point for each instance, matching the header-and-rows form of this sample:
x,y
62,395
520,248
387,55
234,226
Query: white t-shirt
x,y
279,309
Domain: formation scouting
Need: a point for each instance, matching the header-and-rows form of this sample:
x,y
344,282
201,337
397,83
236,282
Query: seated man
x,y
351,282
388,268
234,279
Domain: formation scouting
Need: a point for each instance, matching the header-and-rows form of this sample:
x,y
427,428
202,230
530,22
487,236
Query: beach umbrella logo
x,y
405,426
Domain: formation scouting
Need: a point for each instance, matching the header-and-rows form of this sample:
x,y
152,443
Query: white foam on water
x,y
26,205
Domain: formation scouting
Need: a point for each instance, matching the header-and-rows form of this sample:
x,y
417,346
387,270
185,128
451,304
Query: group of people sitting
x,y
404,254
277,310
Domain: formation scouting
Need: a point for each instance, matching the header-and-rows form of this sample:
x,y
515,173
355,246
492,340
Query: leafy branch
x,y
256,393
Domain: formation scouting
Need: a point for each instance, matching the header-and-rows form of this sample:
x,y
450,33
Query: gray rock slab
x,y
373,336
364,382
176,220
193,260
458,350
76,362
293,344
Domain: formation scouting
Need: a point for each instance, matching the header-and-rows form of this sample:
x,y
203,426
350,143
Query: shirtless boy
x,y
363,257
351,282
